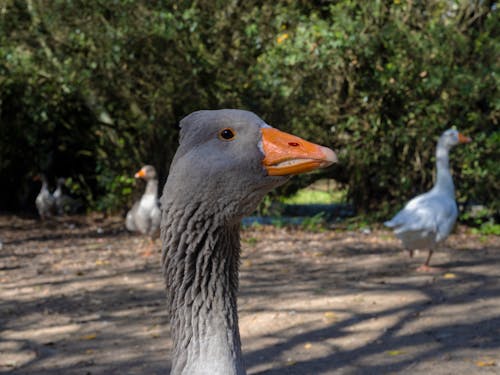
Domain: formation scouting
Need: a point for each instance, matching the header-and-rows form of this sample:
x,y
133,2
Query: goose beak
x,y
463,138
140,174
286,154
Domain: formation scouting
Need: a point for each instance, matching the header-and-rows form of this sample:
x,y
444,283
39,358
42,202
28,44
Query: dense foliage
x,y
92,89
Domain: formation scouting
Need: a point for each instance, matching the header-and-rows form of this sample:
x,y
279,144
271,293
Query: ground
x,y
79,296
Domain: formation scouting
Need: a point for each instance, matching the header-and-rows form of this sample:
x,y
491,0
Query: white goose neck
x,y
152,187
444,181
45,185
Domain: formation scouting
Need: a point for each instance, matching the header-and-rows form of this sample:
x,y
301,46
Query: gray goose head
x,y
226,162
61,181
148,172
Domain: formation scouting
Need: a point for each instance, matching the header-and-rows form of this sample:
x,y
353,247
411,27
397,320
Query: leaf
x,y
395,352
449,276
330,315
90,336
485,363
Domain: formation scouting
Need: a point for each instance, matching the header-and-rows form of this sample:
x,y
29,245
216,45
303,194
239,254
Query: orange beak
x,y
286,154
140,174
463,138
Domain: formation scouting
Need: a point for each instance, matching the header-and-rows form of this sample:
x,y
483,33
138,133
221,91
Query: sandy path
x,y
80,298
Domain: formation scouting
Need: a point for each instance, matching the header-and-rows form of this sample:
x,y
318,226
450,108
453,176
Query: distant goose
x,y
428,219
144,217
64,203
45,201
226,162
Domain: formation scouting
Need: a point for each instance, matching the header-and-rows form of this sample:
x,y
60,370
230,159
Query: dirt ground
x,y
80,297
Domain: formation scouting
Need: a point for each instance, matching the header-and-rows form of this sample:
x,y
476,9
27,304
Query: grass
x,y
312,196
316,223
488,228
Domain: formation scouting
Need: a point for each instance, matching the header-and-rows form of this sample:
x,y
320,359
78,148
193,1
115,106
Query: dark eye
x,y
226,134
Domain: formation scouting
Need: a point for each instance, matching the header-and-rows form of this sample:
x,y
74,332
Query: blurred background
x,y
91,90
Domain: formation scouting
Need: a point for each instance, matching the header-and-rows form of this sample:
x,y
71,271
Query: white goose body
x,y
429,218
425,221
226,162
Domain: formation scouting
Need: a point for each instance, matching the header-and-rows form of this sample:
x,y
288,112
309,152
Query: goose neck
x,y
45,185
444,181
152,187
200,262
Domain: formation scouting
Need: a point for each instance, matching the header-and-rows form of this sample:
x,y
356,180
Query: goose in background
x,y
45,201
427,220
144,216
227,160
64,203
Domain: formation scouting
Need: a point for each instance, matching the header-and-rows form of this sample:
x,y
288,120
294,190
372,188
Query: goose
x,y
64,203
45,202
427,220
144,216
226,161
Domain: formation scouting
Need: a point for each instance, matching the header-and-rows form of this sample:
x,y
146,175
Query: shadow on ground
x,y
78,297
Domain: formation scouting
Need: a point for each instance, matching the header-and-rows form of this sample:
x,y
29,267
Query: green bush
x,y
92,90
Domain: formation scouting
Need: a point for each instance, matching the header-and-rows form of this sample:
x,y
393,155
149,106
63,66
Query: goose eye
x,y
227,134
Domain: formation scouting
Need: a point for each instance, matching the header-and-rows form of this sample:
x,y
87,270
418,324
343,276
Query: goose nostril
x,y
293,144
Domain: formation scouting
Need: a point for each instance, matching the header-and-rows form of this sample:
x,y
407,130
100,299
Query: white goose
x,y
428,219
144,216
45,202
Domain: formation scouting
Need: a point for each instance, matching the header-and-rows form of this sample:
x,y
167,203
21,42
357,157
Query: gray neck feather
x,y
200,260
444,181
